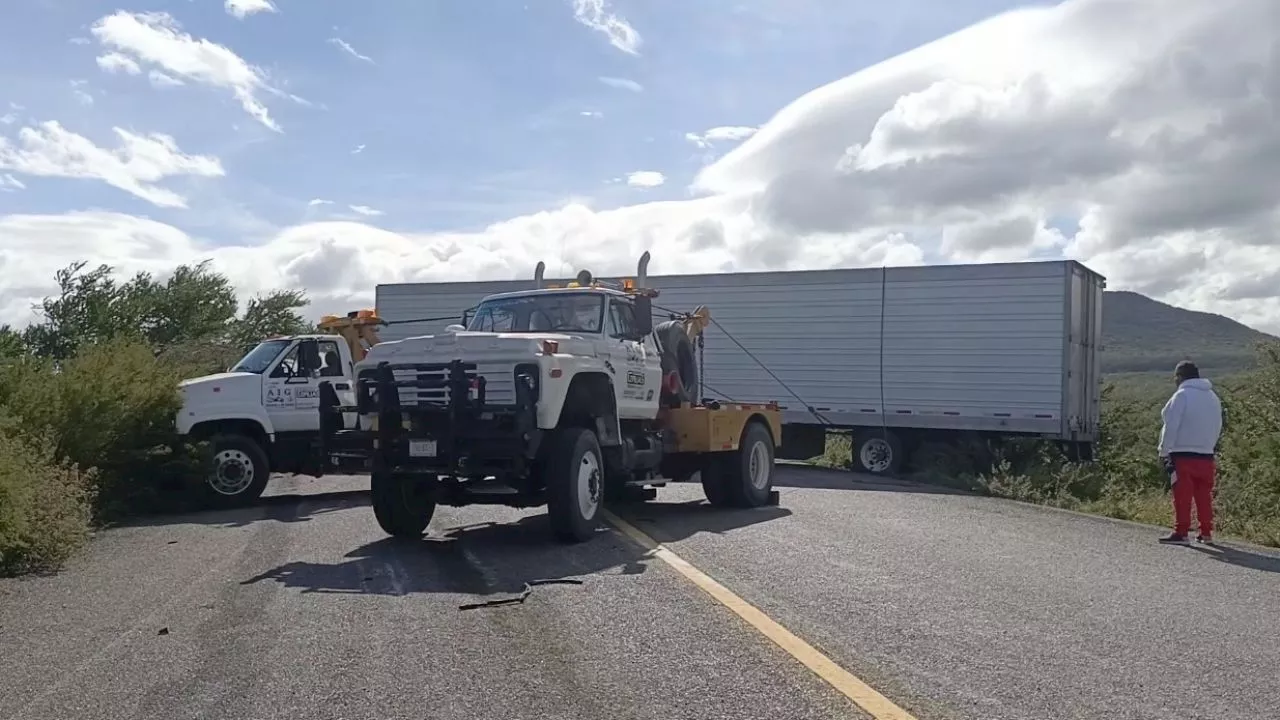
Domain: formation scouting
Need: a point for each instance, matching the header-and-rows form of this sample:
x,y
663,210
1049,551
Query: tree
x,y
273,314
11,343
195,306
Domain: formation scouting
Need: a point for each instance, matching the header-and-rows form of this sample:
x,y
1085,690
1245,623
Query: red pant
x,y
1195,484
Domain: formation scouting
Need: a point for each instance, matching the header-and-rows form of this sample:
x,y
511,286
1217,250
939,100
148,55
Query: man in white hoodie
x,y
1188,441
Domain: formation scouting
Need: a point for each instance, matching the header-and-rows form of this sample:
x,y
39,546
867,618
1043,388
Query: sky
x,y
331,146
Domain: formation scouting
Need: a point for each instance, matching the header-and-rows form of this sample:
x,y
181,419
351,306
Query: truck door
x,y
637,369
292,397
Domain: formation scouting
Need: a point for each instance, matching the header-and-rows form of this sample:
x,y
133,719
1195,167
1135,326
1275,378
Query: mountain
x,y
1144,335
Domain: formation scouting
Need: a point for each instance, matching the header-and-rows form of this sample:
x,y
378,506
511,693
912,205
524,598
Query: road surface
x,y
952,606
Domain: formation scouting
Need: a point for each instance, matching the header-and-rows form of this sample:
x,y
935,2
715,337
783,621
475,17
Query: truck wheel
x,y
714,480
403,504
748,474
239,474
877,452
575,484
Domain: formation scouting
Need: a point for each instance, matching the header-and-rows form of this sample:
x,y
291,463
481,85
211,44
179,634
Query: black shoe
x,y
1175,539
1204,539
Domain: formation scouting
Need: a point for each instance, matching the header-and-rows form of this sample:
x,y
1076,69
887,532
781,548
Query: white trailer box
x,y
900,354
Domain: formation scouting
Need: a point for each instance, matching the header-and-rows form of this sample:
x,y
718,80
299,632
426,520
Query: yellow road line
x,y
847,684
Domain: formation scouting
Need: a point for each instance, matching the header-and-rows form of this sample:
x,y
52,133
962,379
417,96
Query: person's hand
x,y
1167,463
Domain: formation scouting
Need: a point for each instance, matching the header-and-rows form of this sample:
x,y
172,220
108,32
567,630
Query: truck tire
x,y
575,484
239,474
748,473
403,504
877,452
678,356
714,483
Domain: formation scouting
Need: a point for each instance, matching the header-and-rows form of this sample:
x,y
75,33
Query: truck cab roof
x,y
590,290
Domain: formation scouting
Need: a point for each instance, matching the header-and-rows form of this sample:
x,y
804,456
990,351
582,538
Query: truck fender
x,y
189,420
589,402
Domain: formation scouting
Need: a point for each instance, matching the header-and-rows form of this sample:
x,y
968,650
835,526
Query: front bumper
x,y
449,430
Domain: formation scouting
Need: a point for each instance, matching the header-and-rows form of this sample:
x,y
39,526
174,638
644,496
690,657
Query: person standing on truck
x,y
1188,442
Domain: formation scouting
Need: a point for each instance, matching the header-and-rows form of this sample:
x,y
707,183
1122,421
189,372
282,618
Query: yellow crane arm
x,y
357,328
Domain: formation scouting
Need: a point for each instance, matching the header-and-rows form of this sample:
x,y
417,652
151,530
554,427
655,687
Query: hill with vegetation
x,y
1142,335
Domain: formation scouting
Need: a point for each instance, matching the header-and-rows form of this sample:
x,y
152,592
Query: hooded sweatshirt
x,y
1192,419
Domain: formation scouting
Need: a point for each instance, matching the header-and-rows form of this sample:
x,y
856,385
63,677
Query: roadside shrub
x,y
110,408
45,507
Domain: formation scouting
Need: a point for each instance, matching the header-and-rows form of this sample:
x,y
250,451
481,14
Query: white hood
x,y
479,347
222,388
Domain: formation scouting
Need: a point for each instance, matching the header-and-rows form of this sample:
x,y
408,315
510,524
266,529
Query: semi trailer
x,y
903,359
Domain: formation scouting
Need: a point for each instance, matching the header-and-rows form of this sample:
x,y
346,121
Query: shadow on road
x,y
286,507
818,478
1241,558
498,558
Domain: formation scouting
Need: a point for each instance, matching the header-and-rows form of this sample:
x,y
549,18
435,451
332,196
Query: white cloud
x,y
316,202
365,210
593,14
50,150
244,8
161,80
82,96
591,113
341,262
359,149
645,179
622,83
158,39
115,62
724,133
974,147
346,48
9,183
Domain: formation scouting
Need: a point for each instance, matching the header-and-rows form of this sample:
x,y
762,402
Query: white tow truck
x,y
261,416
557,395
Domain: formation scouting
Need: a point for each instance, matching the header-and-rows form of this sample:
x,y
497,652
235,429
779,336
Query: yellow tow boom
x,y
358,328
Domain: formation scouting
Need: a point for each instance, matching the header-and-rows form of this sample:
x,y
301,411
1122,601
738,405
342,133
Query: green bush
x,y
111,408
45,507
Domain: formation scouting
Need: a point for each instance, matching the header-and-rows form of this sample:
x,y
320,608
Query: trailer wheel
x,y
239,474
575,484
403,504
748,473
877,452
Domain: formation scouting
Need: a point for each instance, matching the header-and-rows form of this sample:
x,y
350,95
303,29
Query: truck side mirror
x,y
308,357
644,316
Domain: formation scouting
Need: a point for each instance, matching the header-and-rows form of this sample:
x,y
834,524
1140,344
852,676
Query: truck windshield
x,y
546,312
259,359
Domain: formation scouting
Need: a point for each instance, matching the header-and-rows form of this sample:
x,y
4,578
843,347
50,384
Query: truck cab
x,y
604,341
261,415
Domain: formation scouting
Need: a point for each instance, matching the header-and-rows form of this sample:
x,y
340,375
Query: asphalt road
x,y
952,606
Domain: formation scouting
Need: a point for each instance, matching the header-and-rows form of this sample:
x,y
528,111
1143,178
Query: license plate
x,y
422,448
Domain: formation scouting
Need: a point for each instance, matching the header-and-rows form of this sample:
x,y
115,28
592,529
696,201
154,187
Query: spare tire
x,y
678,357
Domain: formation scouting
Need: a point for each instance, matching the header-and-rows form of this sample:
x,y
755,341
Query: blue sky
x,y
468,112
471,139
